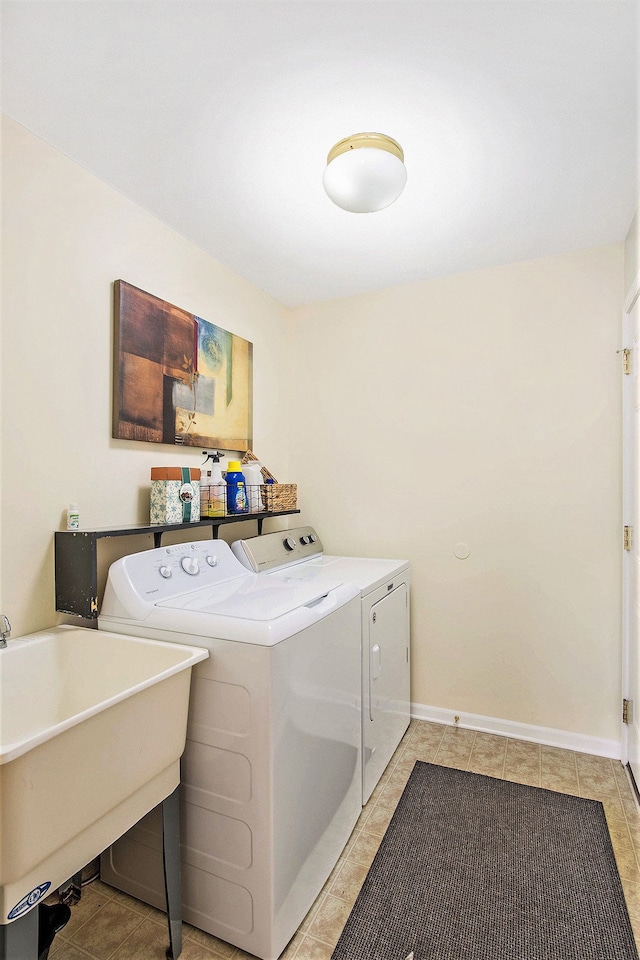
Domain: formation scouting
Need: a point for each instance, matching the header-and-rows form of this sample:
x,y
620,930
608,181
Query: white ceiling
x,y
517,119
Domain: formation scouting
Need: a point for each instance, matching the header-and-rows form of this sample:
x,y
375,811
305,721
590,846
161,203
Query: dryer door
x,y
386,682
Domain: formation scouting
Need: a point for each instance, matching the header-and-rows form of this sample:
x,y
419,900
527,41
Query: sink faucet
x,y
5,630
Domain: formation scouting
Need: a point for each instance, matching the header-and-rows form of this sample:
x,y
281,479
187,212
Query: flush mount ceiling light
x,y
365,172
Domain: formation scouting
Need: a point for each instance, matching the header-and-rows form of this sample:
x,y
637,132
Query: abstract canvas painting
x,y
178,379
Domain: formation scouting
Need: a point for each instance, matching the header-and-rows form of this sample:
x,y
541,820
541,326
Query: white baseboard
x,y
520,731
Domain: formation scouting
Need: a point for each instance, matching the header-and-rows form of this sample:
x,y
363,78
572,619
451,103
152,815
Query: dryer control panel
x,y
272,550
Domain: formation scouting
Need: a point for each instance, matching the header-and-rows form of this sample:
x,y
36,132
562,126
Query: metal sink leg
x,y
19,940
172,877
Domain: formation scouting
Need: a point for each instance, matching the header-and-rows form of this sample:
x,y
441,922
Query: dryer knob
x,y
306,539
289,543
212,561
190,565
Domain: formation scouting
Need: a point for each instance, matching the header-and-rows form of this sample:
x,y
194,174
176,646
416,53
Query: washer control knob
x,y
165,572
289,543
212,561
190,565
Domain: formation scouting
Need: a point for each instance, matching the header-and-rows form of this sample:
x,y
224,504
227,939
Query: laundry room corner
x,y
473,425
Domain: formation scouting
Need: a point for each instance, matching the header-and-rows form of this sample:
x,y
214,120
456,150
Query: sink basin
x,y
92,727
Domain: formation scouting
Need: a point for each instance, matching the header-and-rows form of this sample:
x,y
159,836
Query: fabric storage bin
x,y
175,494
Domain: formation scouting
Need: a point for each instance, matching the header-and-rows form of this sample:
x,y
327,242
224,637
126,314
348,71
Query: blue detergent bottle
x,y
237,501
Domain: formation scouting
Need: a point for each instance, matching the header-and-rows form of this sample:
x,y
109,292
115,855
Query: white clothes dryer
x,y
271,782
384,589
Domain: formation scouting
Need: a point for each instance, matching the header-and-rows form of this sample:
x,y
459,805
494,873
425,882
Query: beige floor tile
x,y
599,785
63,950
589,762
403,768
632,896
366,813
292,947
144,909
191,951
488,755
455,748
329,920
490,744
218,947
425,734
459,735
634,833
624,850
559,767
523,752
349,880
149,941
420,751
90,902
629,806
561,783
364,848
527,777
394,788
380,816
306,923
558,770
612,805
107,930
523,762
377,790
312,949
620,773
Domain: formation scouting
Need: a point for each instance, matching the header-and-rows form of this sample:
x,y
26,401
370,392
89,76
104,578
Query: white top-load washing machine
x,y
384,588
271,781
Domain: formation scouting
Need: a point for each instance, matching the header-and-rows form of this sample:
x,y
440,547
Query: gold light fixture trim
x,y
365,180
378,140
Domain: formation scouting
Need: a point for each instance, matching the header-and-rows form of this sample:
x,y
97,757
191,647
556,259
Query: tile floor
x,y
109,925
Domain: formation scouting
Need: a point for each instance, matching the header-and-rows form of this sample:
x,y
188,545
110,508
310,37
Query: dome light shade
x,y
365,172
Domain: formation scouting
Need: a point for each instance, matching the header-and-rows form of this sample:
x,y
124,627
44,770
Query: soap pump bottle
x,y
212,487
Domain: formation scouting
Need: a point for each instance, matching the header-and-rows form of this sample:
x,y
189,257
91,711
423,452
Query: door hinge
x,y
627,711
628,538
626,360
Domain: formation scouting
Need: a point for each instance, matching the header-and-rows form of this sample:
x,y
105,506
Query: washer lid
x,y
255,598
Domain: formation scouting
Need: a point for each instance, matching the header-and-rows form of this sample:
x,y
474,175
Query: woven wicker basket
x,y
276,497
279,496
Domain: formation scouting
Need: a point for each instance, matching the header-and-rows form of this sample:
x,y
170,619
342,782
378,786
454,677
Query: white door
x,y
632,556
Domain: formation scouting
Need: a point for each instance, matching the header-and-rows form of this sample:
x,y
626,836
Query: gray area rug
x,y
475,868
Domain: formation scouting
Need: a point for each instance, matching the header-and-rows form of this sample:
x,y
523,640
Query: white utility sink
x,y
92,727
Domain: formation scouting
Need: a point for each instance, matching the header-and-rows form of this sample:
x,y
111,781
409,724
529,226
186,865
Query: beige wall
x,y
481,409
66,238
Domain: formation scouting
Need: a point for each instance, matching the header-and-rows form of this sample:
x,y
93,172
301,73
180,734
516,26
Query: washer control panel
x,y
169,571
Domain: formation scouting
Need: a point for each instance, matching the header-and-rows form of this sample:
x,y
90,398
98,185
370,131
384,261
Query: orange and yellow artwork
x,y
178,379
